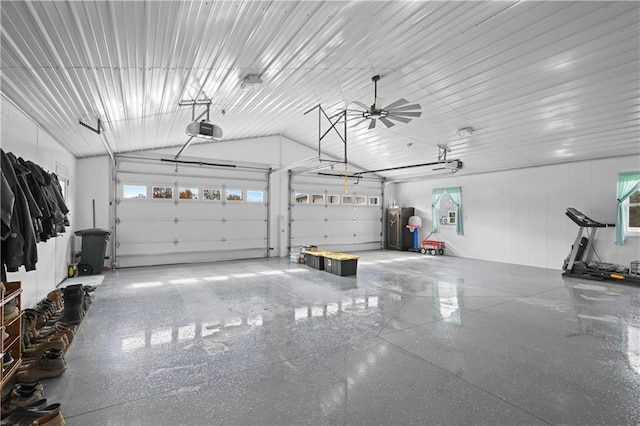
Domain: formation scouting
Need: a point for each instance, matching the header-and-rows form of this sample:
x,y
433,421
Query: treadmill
x,y
579,264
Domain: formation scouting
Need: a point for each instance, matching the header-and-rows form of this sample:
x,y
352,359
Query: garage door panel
x,y
152,231
332,226
204,231
145,210
157,231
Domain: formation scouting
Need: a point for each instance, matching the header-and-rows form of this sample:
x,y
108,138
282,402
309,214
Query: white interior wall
x,y
518,216
21,136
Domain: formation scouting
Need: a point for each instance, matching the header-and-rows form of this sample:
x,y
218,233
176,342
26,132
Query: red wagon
x,y
432,247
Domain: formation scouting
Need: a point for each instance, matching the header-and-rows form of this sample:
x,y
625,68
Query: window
x,y
317,199
234,195
451,217
134,191
302,198
333,199
634,212
374,201
211,194
361,199
627,210
255,196
446,208
188,193
162,192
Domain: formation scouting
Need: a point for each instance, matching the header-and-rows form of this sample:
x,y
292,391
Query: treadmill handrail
x,y
584,221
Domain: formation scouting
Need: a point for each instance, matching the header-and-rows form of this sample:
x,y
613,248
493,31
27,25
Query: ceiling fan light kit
x,y
400,110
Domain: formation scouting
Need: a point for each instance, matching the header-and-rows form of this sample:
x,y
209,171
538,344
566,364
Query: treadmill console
x,y
582,220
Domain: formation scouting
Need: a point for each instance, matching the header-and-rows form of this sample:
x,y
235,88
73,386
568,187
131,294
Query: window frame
x,y
632,231
146,192
228,192
153,187
212,190
254,191
197,193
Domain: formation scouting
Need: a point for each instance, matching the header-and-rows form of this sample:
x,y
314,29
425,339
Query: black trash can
x,y
94,247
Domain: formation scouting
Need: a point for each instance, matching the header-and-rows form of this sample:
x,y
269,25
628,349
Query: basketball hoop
x,y
413,227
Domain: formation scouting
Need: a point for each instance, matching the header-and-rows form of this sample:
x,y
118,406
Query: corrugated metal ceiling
x,y
541,82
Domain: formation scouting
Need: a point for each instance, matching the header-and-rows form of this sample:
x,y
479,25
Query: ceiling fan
x,y
398,110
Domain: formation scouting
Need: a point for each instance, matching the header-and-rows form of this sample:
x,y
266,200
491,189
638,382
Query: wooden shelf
x,y
14,329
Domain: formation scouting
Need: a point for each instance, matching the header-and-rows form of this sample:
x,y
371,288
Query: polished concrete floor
x,y
412,339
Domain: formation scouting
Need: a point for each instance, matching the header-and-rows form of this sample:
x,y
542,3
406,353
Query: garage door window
x,y
374,201
211,194
134,192
347,199
361,199
234,195
317,199
333,199
188,193
302,198
255,197
162,192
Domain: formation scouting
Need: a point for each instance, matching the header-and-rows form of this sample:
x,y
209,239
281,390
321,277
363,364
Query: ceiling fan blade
x,y
402,119
387,122
361,105
406,108
358,123
407,114
397,103
372,125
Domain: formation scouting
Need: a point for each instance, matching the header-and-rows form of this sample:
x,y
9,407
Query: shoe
x,y
11,311
26,416
32,403
21,390
48,332
5,335
7,359
55,342
53,419
56,297
50,365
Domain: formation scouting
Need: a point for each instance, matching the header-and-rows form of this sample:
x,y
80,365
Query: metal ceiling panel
x,y
541,82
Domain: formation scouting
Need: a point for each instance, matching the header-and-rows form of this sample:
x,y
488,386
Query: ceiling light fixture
x,y
465,131
250,82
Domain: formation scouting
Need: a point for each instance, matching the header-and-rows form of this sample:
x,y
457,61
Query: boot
x,y
50,365
56,342
73,311
56,297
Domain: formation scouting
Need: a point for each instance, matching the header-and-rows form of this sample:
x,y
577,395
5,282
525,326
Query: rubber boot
x,y
73,304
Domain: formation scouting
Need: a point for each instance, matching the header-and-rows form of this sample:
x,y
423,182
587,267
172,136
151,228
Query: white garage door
x,y
192,213
323,214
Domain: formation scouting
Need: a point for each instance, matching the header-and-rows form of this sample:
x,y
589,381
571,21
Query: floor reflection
x,y
621,326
